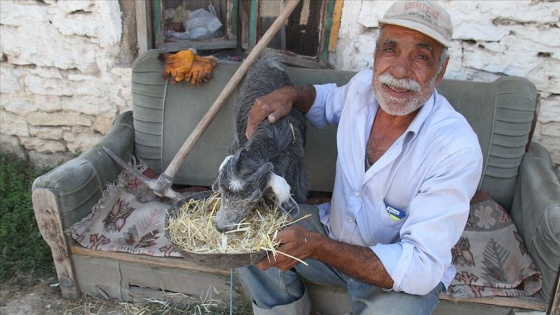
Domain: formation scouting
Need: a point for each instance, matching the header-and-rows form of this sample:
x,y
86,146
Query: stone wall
x,y
65,65
491,38
61,81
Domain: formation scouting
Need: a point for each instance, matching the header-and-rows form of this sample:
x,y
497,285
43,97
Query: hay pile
x,y
193,230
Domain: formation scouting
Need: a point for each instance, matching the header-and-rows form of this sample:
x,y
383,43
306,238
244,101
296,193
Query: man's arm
x,y
355,261
278,104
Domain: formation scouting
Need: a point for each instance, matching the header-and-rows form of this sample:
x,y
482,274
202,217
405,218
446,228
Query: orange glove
x,y
185,65
201,70
177,65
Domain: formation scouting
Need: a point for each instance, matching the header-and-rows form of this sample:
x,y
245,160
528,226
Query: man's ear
x,y
442,71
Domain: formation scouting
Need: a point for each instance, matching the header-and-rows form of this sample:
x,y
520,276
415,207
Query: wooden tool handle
x,y
197,132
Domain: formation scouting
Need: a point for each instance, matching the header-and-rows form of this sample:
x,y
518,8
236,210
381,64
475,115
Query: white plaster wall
x,y
61,85
491,38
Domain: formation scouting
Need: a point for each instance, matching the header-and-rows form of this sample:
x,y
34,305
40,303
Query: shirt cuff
x,y
316,114
396,258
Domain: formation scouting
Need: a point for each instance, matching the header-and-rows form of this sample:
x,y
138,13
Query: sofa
x,y
518,175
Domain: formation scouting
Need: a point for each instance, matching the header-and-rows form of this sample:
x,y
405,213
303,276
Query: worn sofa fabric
x,y
501,114
129,218
536,211
491,258
79,183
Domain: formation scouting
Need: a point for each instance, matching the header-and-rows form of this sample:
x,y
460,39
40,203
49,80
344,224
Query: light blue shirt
x,y
428,175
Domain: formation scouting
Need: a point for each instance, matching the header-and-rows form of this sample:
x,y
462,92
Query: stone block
x,y
80,139
102,124
13,124
43,145
19,104
10,83
61,87
47,103
11,144
551,129
59,119
48,160
53,133
550,109
89,105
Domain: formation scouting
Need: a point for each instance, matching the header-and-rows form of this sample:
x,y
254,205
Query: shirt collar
x,y
423,114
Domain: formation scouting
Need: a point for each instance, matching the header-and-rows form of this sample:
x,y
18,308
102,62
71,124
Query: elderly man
x,y
407,166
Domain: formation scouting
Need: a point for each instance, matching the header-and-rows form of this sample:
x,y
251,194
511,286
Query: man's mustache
x,y
408,84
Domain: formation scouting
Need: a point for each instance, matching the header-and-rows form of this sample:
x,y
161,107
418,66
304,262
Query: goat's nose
x,y
223,227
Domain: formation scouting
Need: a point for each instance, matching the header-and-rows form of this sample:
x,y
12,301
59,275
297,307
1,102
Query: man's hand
x,y
278,104
273,106
295,241
355,261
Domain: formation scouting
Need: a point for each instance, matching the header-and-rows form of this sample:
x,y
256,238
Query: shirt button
x,y
349,220
357,193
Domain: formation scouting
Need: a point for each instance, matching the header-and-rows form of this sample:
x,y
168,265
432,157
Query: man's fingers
x,y
272,118
257,114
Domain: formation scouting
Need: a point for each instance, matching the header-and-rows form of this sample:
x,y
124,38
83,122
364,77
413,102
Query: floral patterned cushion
x,y
491,258
128,218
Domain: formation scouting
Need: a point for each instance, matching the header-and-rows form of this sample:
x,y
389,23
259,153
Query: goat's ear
x,y
262,172
225,162
238,158
215,187
281,190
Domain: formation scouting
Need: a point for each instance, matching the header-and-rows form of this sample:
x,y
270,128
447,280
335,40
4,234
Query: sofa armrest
x,y
67,194
79,183
536,213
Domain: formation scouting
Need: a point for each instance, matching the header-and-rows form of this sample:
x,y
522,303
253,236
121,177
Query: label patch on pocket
x,y
395,214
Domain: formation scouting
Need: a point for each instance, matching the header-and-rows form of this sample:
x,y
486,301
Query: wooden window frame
x,y
148,40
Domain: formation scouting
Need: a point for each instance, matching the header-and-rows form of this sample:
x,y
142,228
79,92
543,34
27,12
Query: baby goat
x,y
270,164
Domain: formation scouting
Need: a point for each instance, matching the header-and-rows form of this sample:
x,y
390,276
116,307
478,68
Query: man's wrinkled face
x,y
405,71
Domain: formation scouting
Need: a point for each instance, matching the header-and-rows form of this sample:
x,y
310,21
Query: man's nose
x,y
400,67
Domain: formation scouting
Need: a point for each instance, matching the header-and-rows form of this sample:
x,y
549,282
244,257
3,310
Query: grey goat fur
x,y
261,166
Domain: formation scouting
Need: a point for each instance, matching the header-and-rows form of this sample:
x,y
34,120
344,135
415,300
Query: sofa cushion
x,y
491,258
128,218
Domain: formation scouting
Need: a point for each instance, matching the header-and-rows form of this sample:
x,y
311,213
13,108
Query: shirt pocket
x,y
392,217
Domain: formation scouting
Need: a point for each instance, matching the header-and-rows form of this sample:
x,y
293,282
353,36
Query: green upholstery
x,y
79,183
536,205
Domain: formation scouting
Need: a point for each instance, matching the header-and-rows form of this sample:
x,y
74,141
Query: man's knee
x,y
309,218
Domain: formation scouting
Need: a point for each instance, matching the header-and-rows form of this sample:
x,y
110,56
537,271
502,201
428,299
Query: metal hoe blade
x,y
161,186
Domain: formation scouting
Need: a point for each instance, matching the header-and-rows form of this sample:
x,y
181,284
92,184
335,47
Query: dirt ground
x,y
45,298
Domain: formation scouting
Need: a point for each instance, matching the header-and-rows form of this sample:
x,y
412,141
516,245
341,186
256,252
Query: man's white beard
x,y
402,106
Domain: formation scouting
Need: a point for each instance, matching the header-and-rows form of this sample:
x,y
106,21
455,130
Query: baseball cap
x,y
423,16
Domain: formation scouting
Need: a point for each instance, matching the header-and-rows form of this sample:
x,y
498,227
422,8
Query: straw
x,y
193,230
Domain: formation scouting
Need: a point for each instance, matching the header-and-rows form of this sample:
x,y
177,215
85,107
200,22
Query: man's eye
x,y
422,57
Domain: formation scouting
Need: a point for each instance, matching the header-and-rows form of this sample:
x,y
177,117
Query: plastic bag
x,y
202,24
